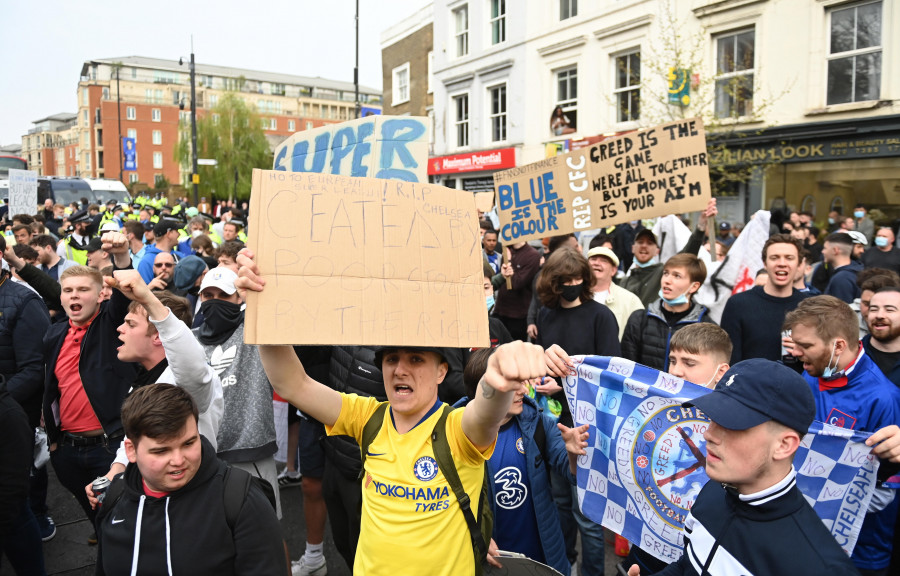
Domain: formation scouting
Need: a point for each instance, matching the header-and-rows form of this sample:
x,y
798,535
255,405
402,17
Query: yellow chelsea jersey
x,y
411,521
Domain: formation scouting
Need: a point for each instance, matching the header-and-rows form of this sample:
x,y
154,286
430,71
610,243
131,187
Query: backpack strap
x,y
370,431
234,492
444,458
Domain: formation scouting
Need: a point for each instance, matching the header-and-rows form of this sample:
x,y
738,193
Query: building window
x,y
158,179
84,117
498,21
132,178
854,56
400,84
568,9
105,93
309,125
564,119
156,115
130,114
498,113
273,123
461,119
734,74
628,87
133,72
132,133
157,137
157,159
292,126
213,100
461,17
215,118
430,71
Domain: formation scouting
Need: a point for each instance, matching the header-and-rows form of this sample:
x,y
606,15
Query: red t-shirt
x,y
152,493
75,411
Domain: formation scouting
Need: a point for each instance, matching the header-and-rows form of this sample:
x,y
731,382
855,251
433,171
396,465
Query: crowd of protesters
x,y
104,308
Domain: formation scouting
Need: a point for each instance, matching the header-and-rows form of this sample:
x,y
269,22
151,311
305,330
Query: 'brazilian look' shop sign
x,y
652,172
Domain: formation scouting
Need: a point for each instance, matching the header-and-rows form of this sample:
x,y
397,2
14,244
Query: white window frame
x,y
130,113
854,53
157,137
497,21
132,178
157,160
570,101
292,126
461,33
309,125
498,115
156,115
273,123
461,123
132,133
568,9
625,91
399,87
733,76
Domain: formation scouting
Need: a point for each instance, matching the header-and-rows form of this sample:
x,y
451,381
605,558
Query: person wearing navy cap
x,y
751,518
74,246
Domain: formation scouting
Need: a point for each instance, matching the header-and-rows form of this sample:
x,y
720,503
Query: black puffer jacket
x,y
647,334
23,322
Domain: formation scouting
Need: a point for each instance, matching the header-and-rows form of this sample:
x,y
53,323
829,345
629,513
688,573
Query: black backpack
x,y
234,492
479,529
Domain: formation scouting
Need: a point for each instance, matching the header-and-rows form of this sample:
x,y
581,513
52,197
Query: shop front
x,y
472,171
819,167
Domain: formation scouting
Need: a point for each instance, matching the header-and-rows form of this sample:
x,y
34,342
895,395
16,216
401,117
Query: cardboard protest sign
x,y
364,261
23,192
484,201
661,170
389,147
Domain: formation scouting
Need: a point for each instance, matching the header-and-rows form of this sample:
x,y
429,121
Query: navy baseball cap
x,y
756,391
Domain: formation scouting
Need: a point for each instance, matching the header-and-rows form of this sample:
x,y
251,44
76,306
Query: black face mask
x,y
220,320
572,293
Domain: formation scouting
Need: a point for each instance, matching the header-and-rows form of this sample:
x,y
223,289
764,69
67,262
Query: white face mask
x,y
829,372
195,233
711,383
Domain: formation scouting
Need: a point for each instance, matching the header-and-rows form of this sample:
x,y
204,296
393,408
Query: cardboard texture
x,y
653,172
484,201
23,192
364,261
389,147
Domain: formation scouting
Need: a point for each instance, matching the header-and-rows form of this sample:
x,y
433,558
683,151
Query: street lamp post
x,y
119,115
195,178
356,68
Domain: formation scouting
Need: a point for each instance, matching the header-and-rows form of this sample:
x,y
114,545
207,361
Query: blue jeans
x,y
78,466
593,545
22,544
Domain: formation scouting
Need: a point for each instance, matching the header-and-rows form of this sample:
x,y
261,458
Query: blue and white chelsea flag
x,y
645,458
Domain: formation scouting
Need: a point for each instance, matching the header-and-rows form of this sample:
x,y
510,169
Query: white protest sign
x,y
23,192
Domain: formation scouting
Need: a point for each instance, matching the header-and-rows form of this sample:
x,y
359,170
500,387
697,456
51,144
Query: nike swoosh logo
x,y
114,521
370,454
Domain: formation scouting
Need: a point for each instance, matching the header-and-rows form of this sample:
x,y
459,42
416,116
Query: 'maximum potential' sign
x,y
661,170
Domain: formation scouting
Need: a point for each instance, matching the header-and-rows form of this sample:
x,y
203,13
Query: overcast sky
x,y
44,44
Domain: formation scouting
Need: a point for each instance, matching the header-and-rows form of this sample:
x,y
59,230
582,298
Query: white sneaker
x,y
301,568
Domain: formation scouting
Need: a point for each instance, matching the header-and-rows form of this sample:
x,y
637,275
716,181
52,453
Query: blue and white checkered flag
x,y
645,458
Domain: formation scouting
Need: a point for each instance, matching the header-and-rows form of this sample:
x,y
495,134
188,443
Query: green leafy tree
x,y
232,135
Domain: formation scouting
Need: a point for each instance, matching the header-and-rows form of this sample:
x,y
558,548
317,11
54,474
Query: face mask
x,y
831,220
633,223
195,233
490,301
220,319
881,241
829,372
649,262
710,383
571,293
677,301
858,214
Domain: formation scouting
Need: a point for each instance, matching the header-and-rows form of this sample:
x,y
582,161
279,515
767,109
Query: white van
x,y
106,189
